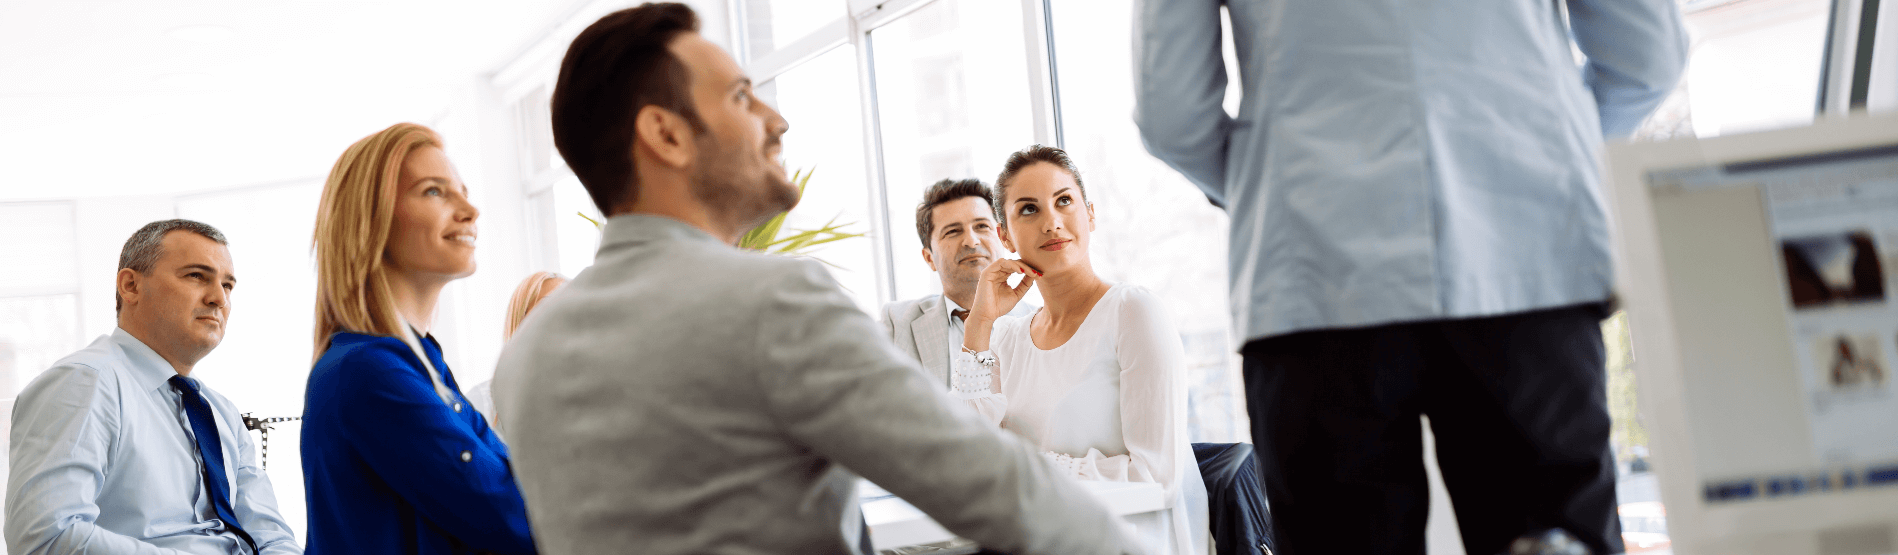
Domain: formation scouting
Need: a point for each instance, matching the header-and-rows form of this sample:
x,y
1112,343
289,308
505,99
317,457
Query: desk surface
x,y
895,523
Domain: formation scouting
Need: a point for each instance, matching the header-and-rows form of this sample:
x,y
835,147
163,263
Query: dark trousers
x,y
1518,404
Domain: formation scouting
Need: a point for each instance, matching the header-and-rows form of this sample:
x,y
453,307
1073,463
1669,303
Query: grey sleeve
x,y
887,318
1180,89
839,389
1636,52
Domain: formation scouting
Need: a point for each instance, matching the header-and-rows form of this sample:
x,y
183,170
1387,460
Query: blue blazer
x,y
390,468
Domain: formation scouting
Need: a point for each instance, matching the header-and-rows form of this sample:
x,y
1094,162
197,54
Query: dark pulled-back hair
x,y
941,193
616,67
1020,160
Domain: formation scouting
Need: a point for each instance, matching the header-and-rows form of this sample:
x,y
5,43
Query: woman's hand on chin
x,y
994,298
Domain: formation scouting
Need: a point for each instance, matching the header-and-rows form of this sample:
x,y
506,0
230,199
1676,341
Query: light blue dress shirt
x,y
103,461
1404,160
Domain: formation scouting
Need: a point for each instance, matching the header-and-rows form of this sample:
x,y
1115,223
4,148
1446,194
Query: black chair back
x,y
1235,499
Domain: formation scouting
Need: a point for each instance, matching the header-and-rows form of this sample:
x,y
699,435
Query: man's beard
x,y
720,181
969,275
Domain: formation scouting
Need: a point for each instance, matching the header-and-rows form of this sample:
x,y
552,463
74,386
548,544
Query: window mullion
x,y
876,181
1043,89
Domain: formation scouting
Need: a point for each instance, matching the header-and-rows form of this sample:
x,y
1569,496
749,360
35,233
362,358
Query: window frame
x,y
854,27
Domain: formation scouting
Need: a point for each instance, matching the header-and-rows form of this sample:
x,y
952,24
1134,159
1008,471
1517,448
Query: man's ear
x,y
666,135
930,260
127,285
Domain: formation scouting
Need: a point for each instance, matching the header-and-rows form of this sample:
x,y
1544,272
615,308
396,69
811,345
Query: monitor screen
x,y
1782,275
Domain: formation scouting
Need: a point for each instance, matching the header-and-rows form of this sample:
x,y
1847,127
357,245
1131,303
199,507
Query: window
x,y
819,98
37,294
774,24
953,101
1755,64
576,239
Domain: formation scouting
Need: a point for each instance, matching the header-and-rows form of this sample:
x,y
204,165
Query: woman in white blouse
x,y
1097,377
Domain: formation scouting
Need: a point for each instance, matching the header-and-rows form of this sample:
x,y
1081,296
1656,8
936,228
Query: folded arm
x,y
422,450
63,429
1636,52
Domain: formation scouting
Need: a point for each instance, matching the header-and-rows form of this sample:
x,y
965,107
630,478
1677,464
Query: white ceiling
x,y
103,98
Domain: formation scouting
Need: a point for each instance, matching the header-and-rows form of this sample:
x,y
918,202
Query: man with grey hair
x,y
116,449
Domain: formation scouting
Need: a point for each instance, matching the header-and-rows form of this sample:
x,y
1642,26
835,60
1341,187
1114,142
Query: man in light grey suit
x,y
684,396
957,226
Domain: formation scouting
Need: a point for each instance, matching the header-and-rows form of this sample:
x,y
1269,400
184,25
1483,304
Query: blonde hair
x,y
526,296
352,229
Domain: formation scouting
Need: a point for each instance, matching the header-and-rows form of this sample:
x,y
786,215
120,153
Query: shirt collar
x,y
949,309
151,370
627,229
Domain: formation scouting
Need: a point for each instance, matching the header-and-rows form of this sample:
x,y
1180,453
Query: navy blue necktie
x,y
211,451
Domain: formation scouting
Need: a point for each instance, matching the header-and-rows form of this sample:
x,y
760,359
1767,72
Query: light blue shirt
x,y
103,460
1404,160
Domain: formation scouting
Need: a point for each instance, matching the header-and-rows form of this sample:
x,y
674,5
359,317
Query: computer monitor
x,y
1760,275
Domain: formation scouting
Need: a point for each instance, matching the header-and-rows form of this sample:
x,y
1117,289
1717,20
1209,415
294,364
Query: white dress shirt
x,y
1107,405
103,460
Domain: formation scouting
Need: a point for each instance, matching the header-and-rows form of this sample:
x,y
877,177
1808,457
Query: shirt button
x,y
466,456
457,407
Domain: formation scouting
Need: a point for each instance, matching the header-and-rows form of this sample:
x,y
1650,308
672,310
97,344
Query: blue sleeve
x,y
1180,91
416,444
1636,52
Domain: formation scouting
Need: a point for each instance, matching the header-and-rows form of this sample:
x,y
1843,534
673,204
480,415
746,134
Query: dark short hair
x,y
143,249
942,193
1020,160
615,68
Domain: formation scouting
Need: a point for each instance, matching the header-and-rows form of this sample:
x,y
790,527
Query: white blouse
x,y
1109,404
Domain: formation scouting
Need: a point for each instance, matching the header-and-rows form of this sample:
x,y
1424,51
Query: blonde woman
x,y
395,459
527,295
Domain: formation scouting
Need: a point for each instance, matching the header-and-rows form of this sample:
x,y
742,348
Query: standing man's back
x,y
1467,123
1418,228
682,396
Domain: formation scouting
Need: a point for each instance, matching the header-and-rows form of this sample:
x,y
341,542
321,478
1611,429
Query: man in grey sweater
x,y
682,396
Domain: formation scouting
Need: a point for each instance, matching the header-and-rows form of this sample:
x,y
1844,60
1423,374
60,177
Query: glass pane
x,y
772,24
820,100
953,102
36,332
1754,65
576,239
1154,228
42,236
